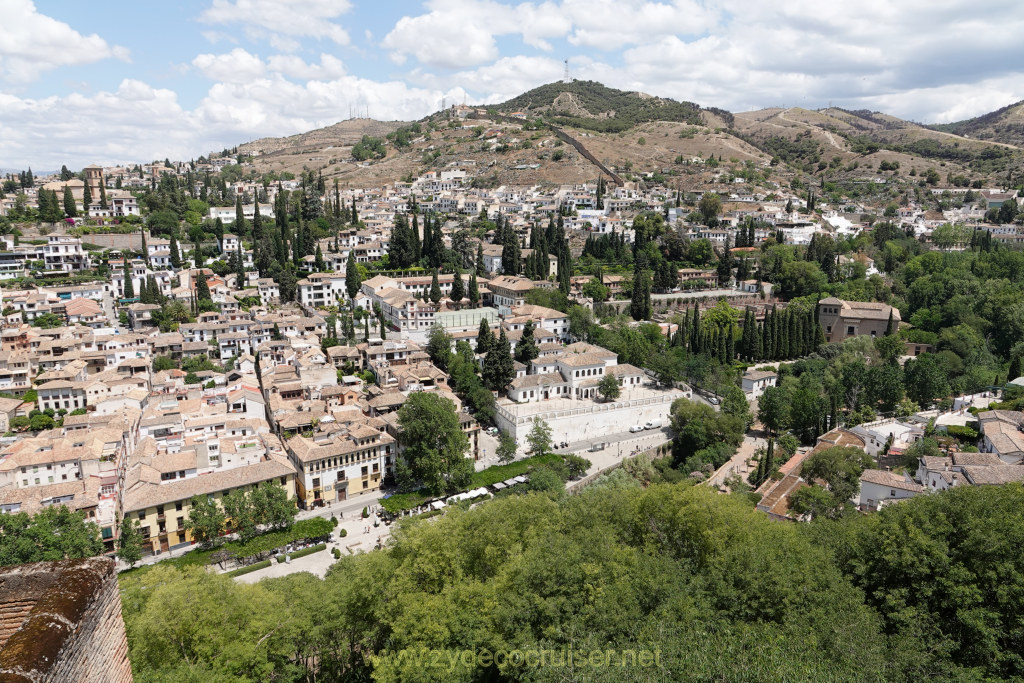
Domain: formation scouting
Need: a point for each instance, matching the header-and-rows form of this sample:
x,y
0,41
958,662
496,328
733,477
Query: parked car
x,y
636,428
713,400
653,424
493,431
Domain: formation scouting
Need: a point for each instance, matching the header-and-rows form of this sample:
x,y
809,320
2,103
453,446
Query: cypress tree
x,y
891,326
239,266
458,292
695,330
103,196
240,228
730,344
355,213
480,269
129,286
1014,371
499,368
70,208
417,249
86,199
257,223
318,263
784,334
352,279
474,290
202,289
484,338
175,254
794,335
526,349
435,289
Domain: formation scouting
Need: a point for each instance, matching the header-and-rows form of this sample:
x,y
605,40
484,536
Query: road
x,y
107,304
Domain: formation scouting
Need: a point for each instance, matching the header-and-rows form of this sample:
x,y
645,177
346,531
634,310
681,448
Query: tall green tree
x,y
640,301
458,292
53,533
175,255
352,278
70,207
202,289
484,338
433,443
499,369
526,348
474,291
435,289
129,542
205,521
129,284
539,438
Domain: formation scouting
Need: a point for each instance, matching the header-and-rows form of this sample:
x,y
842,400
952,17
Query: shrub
x,y
366,513
336,553
343,533
251,568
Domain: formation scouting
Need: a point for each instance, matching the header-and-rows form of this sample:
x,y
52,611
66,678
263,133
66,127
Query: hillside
x,y
638,134
1002,125
837,138
593,106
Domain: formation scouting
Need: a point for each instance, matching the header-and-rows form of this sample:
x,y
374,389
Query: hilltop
x,y
637,135
592,106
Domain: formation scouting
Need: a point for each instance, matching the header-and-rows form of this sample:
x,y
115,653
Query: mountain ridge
x,y
628,130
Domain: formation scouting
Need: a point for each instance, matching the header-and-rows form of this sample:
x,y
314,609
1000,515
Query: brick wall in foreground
x,y
61,621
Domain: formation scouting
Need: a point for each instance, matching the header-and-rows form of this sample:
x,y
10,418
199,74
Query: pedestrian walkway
x,y
361,536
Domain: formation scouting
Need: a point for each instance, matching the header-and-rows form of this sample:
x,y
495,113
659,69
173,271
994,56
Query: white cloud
x,y
32,43
508,77
330,67
734,53
136,122
139,123
282,22
461,33
237,66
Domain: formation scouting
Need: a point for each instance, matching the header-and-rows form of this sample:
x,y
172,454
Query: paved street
x,y
362,536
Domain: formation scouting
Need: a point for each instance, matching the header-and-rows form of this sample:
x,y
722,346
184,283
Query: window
x,y
142,514
849,329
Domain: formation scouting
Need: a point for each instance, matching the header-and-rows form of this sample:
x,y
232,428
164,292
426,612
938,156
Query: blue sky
x,y
124,82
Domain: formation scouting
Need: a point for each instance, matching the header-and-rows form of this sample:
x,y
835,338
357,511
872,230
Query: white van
x,y
653,424
636,428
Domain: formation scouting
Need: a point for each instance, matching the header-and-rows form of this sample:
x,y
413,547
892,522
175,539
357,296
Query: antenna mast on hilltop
x,y
565,78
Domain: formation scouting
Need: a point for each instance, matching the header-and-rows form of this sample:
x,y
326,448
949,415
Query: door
x,y
164,547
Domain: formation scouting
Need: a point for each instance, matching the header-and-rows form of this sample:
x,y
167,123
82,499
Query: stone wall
x,y
61,621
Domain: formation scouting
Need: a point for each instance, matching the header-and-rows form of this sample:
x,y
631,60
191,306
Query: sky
x,y
117,82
